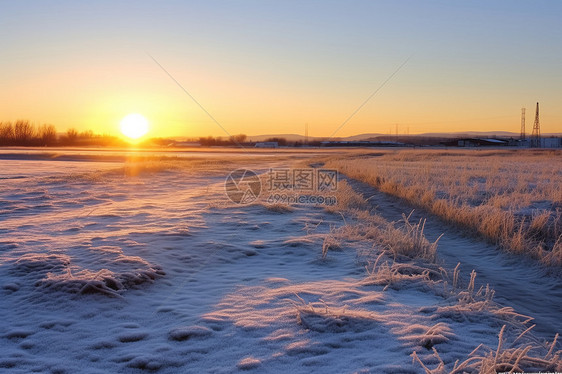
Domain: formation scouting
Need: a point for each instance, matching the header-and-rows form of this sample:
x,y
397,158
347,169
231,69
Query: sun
x,y
134,126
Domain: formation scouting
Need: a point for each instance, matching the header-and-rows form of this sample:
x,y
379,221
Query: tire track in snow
x,y
519,282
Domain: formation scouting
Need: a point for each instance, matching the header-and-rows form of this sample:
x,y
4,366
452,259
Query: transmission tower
x,y
522,123
536,136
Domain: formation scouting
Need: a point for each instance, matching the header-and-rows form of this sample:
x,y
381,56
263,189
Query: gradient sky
x,y
272,66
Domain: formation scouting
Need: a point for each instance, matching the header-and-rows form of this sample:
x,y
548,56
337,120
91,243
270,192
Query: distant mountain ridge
x,y
371,136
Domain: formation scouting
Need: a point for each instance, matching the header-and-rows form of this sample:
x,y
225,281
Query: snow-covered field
x,y
148,267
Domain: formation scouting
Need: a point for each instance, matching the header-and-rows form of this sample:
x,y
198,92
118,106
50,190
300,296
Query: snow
x,y
103,271
518,282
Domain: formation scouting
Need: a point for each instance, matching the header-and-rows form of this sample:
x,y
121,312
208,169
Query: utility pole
x,y
522,123
536,136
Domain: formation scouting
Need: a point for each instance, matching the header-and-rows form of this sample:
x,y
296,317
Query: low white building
x,y
267,145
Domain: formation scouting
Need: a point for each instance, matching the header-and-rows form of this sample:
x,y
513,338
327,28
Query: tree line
x,y
24,133
242,139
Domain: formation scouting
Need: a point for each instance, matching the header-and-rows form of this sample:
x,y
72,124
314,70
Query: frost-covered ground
x,y
149,268
512,198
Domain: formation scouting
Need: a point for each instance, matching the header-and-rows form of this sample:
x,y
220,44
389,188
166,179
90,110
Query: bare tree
x,y
281,141
71,136
88,134
23,132
47,134
6,133
208,141
238,139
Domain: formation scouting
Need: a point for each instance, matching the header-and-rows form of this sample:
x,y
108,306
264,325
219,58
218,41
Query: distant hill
x,y
297,137
470,134
371,136
480,134
289,137
382,137
361,137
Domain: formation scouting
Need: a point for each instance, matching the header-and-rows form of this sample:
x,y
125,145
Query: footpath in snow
x,y
519,282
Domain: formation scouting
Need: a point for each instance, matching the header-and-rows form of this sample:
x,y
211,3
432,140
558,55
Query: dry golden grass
x,y
401,239
502,359
511,198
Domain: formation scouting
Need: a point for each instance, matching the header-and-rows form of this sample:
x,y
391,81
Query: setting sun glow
x,y
134,126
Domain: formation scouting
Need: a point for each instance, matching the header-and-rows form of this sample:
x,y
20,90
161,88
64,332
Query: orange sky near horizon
x,y
272,68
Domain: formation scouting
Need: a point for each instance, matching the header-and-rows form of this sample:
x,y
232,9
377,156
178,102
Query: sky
x,y
271,67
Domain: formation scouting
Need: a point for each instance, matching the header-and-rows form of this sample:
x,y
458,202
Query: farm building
x,y
551,142
267,145
479,142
